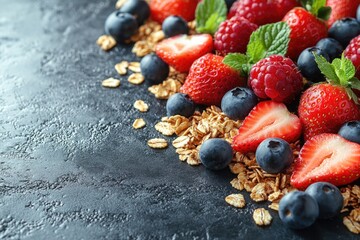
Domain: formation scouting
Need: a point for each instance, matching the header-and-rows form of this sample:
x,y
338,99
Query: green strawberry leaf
x,y
324,13
352,95
268,40
317,8
209,15
340,72
326,68
238,61
355,83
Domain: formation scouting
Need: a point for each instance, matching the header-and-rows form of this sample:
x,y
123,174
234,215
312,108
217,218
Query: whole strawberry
x,y
341,9
276,77
209,79
233,35
325,107
352,52
306,30
283,6
259,12
161,9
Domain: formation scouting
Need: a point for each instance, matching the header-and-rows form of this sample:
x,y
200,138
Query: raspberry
x,y
259,12
233,9
352,52
276,77
233,35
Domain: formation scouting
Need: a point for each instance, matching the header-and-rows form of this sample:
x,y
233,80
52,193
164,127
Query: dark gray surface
x,y
72,167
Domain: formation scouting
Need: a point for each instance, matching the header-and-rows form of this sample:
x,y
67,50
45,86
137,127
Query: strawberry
x,y
324,107
161,9
283,6
256,11
209,79
267,119
326,158
341,9
306,30
181,51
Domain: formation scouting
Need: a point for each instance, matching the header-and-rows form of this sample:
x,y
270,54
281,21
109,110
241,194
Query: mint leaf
x,y
344,69
348,67
326,68
209,15
238,61
268,40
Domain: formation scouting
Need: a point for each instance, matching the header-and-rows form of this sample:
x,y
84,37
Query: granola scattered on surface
x,y
106,42
262,217
110,83
139,123
236,200
157,143
141,106
136,78
121,68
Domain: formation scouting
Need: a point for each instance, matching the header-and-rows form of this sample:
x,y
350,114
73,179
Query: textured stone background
x,y
71,166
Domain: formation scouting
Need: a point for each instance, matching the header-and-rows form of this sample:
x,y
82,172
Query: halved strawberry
x,y
329,158
267,119
181,51
161,9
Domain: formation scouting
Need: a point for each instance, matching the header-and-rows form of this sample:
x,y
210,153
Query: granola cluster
x,y
193,131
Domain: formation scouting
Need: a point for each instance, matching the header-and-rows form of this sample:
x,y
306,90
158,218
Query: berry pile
x,y
289,74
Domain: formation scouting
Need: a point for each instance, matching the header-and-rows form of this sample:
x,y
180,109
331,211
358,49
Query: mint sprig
x,y
209,15
341,72
317,8
267,40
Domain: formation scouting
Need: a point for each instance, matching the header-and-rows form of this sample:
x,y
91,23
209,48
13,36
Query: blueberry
x,y
274,155
328,197
229,3
358,13
138,8
180,104
238,102
174,25
121,26
215,153
351,131
154,69
332,47
298,210
344,30
307,65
